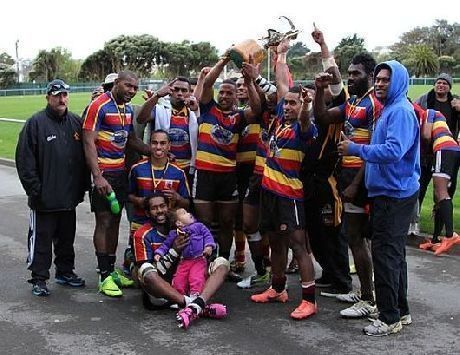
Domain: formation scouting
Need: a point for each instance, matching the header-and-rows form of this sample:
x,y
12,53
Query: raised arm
x,y
210,79
282,69
323,116
145,113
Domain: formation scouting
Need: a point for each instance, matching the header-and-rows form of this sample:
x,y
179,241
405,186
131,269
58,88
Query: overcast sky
x,y
83,26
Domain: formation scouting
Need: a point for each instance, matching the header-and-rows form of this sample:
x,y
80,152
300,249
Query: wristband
x,y
336,89
328,62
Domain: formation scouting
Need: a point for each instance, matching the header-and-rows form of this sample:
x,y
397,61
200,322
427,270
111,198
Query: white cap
x,y
109,79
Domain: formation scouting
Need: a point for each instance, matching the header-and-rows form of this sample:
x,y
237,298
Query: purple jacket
x,y
200,237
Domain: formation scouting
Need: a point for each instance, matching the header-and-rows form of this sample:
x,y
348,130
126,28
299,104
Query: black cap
x,y
56,87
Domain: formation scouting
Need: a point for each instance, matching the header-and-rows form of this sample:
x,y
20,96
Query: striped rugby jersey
x,y
146,240
440,133
113,123
262,143
141,184
247,144
361,115
287,146
218,135
179,136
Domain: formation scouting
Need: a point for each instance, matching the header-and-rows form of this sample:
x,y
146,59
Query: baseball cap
x,y
110,78
56,87
445,77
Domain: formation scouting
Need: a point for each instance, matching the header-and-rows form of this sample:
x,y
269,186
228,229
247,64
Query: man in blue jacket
x,y
391,176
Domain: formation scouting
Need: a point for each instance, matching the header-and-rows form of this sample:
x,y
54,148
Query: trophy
x,y
241,52
275,37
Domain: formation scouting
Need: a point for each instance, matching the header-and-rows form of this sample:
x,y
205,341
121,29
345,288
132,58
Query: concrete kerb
x,y
7,162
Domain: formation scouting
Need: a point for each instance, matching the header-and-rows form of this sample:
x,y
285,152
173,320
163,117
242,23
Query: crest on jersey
x,y
221,135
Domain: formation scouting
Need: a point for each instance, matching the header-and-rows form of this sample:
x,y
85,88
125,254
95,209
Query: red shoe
x,y
306,309
270,295
427,245
447,244
186,316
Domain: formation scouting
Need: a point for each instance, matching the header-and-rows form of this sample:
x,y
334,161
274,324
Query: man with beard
x,y
155,276
107,130
220,126
358,115
179,121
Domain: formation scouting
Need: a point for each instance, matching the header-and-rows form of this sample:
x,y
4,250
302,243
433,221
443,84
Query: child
x,y
190,275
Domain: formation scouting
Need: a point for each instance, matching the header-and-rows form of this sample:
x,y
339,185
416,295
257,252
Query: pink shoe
x,y
215,311
186,316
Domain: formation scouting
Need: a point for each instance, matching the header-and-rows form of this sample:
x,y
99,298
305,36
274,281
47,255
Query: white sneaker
x,y
350,297
379,328
254,280
360,309
406,320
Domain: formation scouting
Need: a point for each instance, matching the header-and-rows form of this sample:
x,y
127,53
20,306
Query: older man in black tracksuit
x,y
51,166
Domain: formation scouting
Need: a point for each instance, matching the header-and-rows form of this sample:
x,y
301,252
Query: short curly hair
x,y
366,60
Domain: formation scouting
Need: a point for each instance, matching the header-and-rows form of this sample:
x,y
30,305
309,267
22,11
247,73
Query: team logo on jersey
x,y
51,137
221,135
76,136
119,138
178,137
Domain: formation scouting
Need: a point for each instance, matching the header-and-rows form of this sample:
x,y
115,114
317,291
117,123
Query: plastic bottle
x,y
114,205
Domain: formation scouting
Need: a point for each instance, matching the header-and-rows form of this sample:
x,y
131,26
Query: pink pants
x,y
190,276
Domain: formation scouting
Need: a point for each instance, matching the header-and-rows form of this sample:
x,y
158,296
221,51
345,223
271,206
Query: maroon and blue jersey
x,y
143,184
287,146
113,123
218,135
361,115
146,240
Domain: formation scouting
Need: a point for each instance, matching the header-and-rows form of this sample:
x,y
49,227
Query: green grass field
x,y
22,107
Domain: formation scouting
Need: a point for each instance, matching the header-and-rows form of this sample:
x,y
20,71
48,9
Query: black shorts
x,y
119,183
279,213
345,179
213,186
446,164
243,174
253,194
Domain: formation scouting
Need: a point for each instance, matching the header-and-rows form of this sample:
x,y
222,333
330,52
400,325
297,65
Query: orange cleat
x,y
427,245
306,309
447,244
270,295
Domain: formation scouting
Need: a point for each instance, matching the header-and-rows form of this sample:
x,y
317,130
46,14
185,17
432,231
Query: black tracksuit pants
x,y
45,230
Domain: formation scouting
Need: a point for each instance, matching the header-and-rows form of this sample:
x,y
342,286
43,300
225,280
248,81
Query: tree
x,y
297,61
421,60
145,54
56,63
346,50
8,75
446,64
443,38
96,66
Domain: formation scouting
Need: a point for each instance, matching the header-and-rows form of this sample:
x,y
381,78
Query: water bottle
x,y
113,202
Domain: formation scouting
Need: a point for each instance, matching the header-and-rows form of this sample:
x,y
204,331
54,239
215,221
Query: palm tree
x,y
421,60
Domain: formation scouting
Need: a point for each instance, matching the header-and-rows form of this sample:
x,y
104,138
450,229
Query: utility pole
x,y
17,57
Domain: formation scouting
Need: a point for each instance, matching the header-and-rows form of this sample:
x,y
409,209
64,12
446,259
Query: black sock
x,y
224,254
112,260
308,292
259,265
438,224
103,263
446,212
279,283
200,302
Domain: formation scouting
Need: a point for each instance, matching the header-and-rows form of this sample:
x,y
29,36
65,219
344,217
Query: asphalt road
x,y
81,321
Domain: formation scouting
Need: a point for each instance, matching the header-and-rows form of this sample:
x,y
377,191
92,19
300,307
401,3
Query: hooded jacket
x,y
393,156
